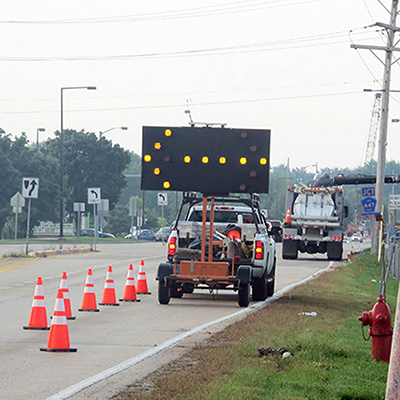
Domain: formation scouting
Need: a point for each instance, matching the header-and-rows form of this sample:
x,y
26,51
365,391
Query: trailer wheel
x,y
271,281
164,292
244,295
260,287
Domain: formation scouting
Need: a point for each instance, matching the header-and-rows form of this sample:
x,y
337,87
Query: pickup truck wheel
x,y
164,292
188,288
260,287
244,295
271,281
176,291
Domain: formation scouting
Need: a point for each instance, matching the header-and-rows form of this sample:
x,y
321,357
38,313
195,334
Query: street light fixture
x,y
61,236
37,135
124,128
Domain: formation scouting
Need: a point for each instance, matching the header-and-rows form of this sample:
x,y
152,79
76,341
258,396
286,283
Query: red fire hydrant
x,y
380,321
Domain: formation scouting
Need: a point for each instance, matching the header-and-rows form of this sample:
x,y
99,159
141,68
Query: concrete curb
x,y
47,253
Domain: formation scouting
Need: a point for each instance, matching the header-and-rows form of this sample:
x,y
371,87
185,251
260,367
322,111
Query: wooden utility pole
x,y
391,29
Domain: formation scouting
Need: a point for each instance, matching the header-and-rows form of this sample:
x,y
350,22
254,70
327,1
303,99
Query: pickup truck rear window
x,y
230,217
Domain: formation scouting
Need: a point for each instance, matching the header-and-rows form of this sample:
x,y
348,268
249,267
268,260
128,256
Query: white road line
x,y
74,389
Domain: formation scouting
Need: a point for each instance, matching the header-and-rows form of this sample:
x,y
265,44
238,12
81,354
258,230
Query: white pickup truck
x,y
241,255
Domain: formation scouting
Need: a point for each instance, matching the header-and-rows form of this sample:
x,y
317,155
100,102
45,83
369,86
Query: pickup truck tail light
x,y
172,246
259,250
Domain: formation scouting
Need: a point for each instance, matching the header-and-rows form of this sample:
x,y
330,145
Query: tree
x,y
119,221
18,159
89,162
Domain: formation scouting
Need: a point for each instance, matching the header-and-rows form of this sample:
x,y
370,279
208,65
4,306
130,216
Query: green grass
x,y
331,359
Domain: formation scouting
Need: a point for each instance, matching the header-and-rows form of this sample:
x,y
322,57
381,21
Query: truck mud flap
x,y
335,251
244,274
289,249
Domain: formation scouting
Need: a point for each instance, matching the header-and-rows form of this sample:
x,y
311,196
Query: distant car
x,y
133,232
163,233
146,234
106,235
90,232
131,236
346,239
357,237
276,230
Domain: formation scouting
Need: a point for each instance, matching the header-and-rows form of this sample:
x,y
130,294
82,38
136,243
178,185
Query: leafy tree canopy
x,y
89,162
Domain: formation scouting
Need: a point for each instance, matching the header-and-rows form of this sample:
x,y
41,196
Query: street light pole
x,y
37,136
61,236
124,128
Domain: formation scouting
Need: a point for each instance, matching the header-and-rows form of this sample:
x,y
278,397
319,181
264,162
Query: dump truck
x,y
314,221
315,214
234,252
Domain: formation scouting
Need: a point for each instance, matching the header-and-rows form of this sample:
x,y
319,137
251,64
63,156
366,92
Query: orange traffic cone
x,y
38,317
109,298
89,296
130,290
59,337
67,301
288,219
142,281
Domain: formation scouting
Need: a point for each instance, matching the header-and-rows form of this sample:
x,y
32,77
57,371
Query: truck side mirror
x,y
346,211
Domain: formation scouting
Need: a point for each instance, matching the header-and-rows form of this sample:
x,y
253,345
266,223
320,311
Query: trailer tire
x,y
289,249
164,290
271,281
244,294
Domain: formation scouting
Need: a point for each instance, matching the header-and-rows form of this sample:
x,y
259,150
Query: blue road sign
x,y
368,202
368,191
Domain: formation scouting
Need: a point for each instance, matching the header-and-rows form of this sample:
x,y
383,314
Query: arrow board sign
x,y
94,195
30,188
162,199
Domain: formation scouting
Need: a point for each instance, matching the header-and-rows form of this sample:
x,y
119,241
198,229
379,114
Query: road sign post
x,y
17,202
94,197
79,208
162,200
30,190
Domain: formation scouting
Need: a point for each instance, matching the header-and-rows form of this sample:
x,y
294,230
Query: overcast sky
x,y
285,65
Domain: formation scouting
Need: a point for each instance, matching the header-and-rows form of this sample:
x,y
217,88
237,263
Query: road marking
x,y
74,389
12,266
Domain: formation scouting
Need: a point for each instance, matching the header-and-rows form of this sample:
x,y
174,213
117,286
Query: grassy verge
x,y
330,358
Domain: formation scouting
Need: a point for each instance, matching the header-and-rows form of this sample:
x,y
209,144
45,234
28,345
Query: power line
x,y
210,103
333,38
203,92
206,11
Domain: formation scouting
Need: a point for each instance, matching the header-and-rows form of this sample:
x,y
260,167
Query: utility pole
x,y
391,29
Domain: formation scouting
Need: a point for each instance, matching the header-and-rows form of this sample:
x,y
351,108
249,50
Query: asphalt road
x,y
115,334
